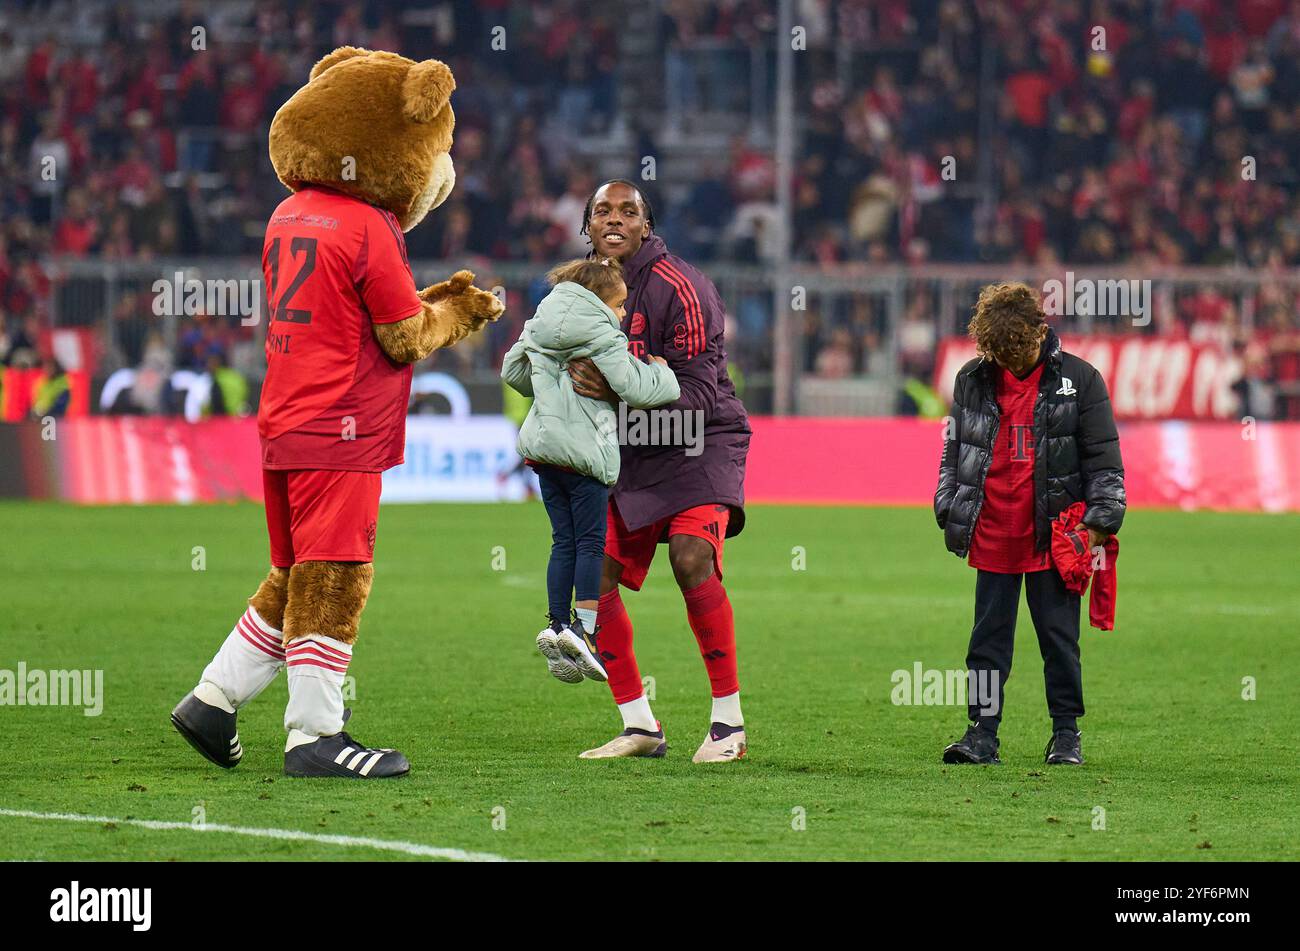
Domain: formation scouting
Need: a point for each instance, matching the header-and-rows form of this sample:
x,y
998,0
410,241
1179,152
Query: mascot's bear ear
x,y
426,90
336,57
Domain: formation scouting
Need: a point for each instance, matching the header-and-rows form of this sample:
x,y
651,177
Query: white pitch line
x,y
292,835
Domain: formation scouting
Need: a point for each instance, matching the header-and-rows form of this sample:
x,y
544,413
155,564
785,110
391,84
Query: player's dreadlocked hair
x,y
1007,324
591,199
602,278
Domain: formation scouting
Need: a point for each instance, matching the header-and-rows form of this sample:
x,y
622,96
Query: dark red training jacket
x,y
673,311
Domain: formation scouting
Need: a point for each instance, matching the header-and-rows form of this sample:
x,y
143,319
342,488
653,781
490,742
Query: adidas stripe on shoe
x,y
340,756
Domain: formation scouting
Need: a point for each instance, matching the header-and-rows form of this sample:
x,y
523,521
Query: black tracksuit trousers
x,y
1055,612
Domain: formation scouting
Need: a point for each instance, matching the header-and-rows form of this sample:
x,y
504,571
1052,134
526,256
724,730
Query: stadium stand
x,y
1069,151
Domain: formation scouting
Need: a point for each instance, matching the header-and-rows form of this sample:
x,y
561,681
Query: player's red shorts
x,y
635,550
321,514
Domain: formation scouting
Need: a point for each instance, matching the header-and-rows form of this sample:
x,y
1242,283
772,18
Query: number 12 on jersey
x,y
304,248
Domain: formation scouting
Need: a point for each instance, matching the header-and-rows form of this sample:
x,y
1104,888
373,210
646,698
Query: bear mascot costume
x,y
364,148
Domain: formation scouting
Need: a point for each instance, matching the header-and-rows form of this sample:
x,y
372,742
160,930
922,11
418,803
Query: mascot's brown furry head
x,y
374,125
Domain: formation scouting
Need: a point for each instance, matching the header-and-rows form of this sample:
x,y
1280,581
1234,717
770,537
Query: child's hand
x,y
1095,537
654,359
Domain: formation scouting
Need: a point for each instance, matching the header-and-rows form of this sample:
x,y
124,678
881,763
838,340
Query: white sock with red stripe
x,y
317,665
248,660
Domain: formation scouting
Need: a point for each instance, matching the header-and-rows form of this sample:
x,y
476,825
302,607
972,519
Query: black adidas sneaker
x,y
978,747
340,755
209,729
1064,748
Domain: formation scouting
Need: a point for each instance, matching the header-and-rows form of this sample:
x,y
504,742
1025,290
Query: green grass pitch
x,y
1181,764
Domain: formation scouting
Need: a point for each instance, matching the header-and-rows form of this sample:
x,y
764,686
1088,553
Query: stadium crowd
x,y
1118,132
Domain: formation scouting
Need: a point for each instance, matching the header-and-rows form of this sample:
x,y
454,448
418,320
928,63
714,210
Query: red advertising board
x,y
793,460
1169,464
1149,377
150,459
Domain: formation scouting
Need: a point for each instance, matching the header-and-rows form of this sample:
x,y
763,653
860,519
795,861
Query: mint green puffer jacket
x,y
563,428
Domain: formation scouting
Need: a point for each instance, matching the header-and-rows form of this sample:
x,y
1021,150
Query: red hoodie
x,y
1078,563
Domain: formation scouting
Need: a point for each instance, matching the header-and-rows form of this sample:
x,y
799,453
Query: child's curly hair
x,y
601,277
1007,324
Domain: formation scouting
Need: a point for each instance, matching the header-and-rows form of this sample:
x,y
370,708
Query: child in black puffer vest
x,y
1031,433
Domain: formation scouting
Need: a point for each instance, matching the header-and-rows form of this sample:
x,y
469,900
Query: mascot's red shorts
x,y
321,514
635,550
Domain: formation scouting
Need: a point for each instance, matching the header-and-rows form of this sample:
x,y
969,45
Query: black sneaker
x,y
209,729
1064,749
979,747
579,645
340,755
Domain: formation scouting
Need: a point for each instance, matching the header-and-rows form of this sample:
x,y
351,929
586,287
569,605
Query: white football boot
x,y
723,744
631,742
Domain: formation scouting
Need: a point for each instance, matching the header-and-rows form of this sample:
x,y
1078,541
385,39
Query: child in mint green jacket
x,y
572,442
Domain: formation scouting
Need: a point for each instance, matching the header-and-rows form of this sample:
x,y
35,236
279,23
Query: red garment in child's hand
x,y
1077,564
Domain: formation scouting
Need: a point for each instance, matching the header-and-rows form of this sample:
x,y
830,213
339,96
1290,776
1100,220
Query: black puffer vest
x,y
1076,448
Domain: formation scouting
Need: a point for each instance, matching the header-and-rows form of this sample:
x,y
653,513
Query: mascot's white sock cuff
x,y
317,666
248,660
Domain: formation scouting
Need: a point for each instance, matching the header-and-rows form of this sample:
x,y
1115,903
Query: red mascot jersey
x,y
332,399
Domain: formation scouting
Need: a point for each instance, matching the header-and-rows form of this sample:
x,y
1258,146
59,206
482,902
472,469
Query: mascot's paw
x,y
470,308
456,284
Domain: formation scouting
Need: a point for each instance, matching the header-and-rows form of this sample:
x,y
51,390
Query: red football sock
x,y
615,644
709,610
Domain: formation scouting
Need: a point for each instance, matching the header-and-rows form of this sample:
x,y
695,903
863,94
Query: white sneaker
x,y
560,667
